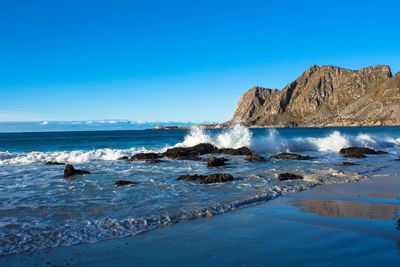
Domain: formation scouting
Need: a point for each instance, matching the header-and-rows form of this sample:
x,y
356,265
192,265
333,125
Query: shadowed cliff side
x,y
325,96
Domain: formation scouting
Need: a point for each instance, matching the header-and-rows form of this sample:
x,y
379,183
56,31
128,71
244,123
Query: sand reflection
x,y
339,208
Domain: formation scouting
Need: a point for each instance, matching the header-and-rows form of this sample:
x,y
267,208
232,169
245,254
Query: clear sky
x,y
176,60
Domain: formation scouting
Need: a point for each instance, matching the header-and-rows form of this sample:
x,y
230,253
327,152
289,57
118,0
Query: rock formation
x,y
207,179
71,171
325,96
254,158
216,162
291,156
289,176
125,182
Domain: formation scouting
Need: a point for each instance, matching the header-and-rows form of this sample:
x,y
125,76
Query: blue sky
x,y
176,60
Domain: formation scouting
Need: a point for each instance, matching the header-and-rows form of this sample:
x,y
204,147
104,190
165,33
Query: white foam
x,y
197,135
235,137
75,156
238,136
393,140
274,142
333,142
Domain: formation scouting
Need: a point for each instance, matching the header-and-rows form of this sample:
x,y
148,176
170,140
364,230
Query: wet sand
x,y
330,225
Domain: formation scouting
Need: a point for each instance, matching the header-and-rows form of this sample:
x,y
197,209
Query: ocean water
x,y
40,209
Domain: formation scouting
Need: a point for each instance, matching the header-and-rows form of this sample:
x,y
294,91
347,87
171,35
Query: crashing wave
x,y
238,136
75,156
235,137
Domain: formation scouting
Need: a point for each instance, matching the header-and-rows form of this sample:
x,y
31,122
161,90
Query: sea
x,y
39,208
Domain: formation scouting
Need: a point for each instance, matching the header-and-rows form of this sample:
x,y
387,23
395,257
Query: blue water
x,y
39,208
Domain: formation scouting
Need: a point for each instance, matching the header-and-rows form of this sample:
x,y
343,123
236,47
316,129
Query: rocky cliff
x,y
326,96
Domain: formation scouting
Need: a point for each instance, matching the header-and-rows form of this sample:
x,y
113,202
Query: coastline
x,y
324,226
226,126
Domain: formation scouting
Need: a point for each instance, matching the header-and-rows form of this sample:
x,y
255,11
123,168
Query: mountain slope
x,y
326,96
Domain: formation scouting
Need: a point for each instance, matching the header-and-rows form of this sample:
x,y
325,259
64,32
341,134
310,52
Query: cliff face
x,y
326,96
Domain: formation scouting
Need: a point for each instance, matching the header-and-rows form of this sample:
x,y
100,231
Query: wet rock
x,y
354,156
398,224
70,171
194,177
291,156
289,176
190,153
254,158
54,163
242,151
361,151
346,163
125,182
151,157
179,153
207,179
188,158
216,162
204,148
123,158
217,178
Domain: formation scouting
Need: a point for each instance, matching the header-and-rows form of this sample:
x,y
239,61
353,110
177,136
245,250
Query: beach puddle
x,y
348,209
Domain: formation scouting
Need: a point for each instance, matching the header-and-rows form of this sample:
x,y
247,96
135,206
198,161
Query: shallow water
x,y
39,208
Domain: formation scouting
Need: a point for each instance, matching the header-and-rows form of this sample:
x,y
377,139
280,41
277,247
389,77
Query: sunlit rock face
x,y
326,96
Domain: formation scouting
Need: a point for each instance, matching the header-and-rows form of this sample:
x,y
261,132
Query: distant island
x,y
325,96
160,127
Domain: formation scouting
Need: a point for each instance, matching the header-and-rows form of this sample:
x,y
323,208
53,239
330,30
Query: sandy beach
x,y
329,225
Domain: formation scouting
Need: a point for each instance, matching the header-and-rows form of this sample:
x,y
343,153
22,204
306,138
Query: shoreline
x,y
182,128
357,214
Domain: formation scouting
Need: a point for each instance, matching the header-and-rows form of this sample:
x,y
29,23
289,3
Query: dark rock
x,y
397,159
190,157
152,157
125,182
207,179
70,171
195,177
153,161
346,163
204,148
354,156
54,163
178,152
361,150
291,156
123,158
289,176
398,224
243,151
254,158
217,178
215,162
190,153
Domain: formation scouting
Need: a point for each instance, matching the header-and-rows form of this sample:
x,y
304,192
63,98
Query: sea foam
x,y
272,142
75,156
234,137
